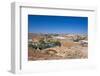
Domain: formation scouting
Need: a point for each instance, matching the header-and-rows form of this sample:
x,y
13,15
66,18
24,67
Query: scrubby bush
x,y
76,40
57,43
34,46
43,44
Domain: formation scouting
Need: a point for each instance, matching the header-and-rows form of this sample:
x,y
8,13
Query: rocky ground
x,y
73,52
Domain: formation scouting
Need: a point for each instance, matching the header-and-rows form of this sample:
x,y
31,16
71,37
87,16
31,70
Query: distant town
x,y
49,46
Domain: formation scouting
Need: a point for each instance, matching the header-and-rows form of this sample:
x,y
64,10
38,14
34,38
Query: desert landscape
x,y
57,46
57,37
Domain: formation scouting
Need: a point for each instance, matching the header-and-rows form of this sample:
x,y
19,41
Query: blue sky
x,y
57,24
